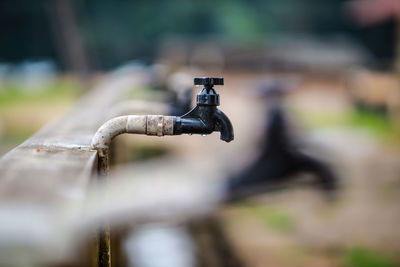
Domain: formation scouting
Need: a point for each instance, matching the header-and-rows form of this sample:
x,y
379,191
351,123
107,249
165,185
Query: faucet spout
x,y
205,118
224,126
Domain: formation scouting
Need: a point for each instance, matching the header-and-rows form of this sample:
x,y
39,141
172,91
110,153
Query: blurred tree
x,y
24,31
67,36
116,31
370,12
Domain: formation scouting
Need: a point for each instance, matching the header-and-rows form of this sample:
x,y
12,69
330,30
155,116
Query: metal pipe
x,y
158,125
205,118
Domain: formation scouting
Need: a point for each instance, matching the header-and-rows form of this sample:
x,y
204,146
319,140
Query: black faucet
x,y
205,118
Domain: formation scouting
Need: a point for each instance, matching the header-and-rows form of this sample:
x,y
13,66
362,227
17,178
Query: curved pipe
x,y
135,124
224,126
203,119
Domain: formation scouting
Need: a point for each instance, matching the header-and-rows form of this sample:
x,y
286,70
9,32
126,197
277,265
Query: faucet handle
x,y
208,96
208,81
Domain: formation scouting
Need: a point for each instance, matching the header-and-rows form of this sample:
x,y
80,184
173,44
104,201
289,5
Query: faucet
x,y
205,118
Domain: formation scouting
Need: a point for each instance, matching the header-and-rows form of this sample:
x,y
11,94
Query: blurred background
x,y
338,60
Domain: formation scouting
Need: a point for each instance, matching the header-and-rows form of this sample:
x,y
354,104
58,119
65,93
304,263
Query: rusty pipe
x,y
158,125
201,120
205,118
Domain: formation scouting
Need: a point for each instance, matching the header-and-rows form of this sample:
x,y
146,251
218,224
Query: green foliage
x,y
145,93
238,20
14,93
115,31
23,111
275,218
363,257
147,151
375,123
378,125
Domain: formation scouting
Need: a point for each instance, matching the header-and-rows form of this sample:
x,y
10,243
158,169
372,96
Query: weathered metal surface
x,y
104,247
160,125
134,124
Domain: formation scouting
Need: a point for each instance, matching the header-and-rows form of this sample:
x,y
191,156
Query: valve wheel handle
x,y
209,81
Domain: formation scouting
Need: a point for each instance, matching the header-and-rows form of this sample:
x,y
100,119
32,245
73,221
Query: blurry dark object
x,y
282,53
214,248
67,36
280,160
182,104
366,13
180,83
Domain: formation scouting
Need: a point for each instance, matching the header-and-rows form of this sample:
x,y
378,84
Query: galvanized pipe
x,y
157,125
205,118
